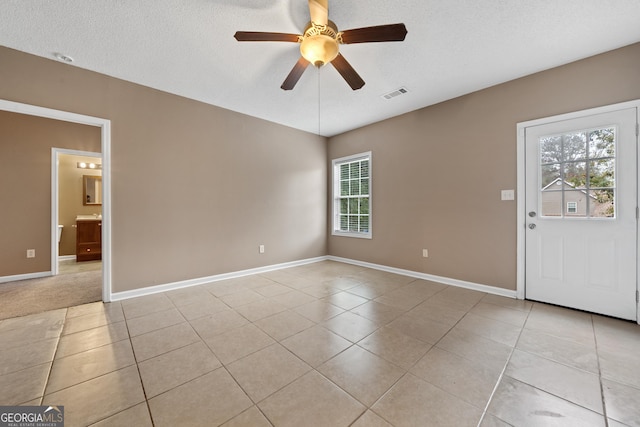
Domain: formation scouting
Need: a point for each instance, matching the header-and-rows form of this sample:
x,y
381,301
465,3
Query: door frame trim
x,y
105,132
521,164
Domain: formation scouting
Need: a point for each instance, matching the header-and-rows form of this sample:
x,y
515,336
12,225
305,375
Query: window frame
x,y
573,205
336,196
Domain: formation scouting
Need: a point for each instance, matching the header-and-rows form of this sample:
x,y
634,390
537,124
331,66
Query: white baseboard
x,y
39,275
118,296
66,257
444,280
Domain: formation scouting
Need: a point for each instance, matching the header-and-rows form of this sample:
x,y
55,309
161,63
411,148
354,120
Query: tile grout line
x,y
504,369
434,345
137,365
224,366
107,373
46,383
135,358
313,369
276,341
604,405
442,337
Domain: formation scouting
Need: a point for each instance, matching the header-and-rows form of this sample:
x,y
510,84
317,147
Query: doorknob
x,y
532,214
532,226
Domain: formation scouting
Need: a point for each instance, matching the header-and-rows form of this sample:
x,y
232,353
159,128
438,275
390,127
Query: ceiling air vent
x,y
395,93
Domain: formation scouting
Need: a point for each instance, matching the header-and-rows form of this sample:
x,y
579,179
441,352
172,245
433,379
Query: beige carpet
x,y
48,293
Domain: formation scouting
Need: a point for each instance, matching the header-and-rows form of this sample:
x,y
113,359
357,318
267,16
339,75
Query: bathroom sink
x,y
86,217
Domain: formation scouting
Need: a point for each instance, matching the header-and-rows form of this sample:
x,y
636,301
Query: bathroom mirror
x,y
91,190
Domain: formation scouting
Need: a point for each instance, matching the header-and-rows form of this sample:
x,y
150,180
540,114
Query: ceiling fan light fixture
x,y
320,41
319,49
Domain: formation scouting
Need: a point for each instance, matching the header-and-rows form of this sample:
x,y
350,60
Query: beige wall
x,y
70,193
196,189
25,185
438,172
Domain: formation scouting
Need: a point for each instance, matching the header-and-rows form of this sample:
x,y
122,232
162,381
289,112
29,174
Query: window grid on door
x,y
577,171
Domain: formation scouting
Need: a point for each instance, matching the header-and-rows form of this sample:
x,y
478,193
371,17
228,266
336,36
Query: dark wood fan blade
x,y
347,72
319,11
379,33
257,36
295,74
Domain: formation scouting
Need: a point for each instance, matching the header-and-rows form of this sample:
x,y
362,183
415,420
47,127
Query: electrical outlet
x,y
31,253
425,253
261,249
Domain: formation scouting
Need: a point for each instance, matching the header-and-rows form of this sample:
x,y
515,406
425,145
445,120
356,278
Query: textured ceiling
x,y
186,47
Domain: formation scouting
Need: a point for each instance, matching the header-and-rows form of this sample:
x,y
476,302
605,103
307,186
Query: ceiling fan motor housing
x,y
319,44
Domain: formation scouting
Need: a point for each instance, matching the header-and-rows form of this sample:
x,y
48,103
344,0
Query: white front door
x,y
581,198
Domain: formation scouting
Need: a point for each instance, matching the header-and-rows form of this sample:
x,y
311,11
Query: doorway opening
x,y
105,136
78,177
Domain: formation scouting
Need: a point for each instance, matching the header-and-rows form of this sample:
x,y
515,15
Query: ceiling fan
x,y
319,43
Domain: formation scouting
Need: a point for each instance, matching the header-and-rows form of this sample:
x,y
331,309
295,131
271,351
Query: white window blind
x,y
352,196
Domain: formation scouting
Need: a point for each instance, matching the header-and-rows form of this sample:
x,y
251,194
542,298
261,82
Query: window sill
x,y
356,235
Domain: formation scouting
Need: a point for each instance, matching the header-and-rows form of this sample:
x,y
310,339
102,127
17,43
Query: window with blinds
x,y
352,196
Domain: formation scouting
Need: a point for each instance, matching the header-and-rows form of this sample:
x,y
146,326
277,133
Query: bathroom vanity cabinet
x,y
88,240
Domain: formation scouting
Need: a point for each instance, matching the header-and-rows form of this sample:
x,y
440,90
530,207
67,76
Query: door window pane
x,y
551,149
574,146
551,202
603,205
577,200
577,174
602,143
601,173
550,174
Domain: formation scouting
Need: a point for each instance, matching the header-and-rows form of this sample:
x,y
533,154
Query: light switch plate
x,y
507,195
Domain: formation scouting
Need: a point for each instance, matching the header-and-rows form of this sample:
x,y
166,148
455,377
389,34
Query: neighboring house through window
x,y
352,196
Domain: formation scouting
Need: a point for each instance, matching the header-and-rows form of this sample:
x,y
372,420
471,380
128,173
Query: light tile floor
x,y
326,344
